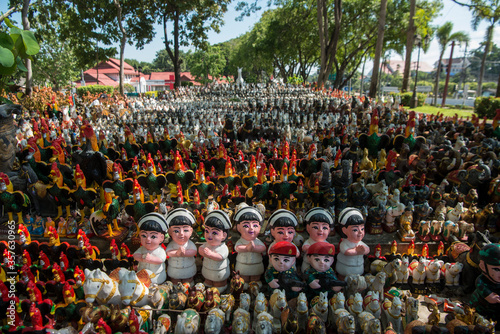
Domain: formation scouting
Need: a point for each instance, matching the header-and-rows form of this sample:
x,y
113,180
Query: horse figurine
x,y
377,282
226,305
369,324
417,269
452,273
289,321
411,306
302,310
315,325
241,322
345,322
355,305
449,228
277,303
336,302
464,228
134,287
391,214
403,273
455,213
214,322
371,303
261,305
424,228
158,295
188,322
392,313
355,283
101,288
163,323
389,268
264,323
435,231
195,299
319,305
245,301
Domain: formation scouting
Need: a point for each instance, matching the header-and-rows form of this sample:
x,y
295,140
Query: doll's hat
x,y
347,213
222,216
282,213
321,248
248,210
321,211
283,248
181,212
154,217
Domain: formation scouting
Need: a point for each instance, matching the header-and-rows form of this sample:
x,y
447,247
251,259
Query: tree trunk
x,y
174,56
123,41
410,36
378,49
438,74
26,26
328,44
489,38
498,87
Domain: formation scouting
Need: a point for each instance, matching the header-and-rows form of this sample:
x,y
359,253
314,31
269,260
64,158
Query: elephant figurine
x,y
475,177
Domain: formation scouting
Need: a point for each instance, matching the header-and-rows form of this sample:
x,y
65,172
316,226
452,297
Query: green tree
x,y
444,36
492,63
207,63
163,63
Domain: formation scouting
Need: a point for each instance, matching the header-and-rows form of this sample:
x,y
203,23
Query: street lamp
x,y
414,98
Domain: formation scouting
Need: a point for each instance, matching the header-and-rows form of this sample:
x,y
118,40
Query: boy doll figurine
x,y
282,224
181,251
486,297
248,221
281,274
350,259
151,255
321,277
319,222
214,251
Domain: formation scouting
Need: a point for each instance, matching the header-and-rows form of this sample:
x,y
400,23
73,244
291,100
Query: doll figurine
x,y
248,221
48,223
320,276
181,251
282,224
214,251
151,255
281,274
319,222
486,297
38,226
352,248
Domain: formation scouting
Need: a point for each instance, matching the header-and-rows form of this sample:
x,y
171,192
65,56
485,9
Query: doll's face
x,y
318,231
320,262
180,234
354,233
214,236
492,271
283,233
282,262
249,229
151,239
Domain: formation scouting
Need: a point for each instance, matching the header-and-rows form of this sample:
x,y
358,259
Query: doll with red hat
x,y
281,274
320,277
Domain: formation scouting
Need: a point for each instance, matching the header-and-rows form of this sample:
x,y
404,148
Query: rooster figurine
x,y
111,211
181,174
122,187
204,188
152,181
12,201
83,196
139,207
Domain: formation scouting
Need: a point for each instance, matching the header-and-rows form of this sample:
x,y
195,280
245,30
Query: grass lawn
x,y
445,111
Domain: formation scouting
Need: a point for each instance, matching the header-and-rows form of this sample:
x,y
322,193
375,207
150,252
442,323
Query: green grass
x,y
445,111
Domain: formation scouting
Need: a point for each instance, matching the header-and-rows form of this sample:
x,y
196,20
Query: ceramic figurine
x,y
319,223
352,248
38,226
281,275
214,251
282,224
452,273
48,224
248,222
151,255
181,251
320,276
486,297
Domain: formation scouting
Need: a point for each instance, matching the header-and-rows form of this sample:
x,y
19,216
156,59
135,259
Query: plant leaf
x,y
6,41
30,43
6,57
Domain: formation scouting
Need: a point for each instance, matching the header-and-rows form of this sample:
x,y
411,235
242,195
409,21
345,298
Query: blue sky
x,y
459,16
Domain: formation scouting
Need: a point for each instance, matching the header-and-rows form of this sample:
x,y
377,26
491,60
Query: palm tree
x,y
444,36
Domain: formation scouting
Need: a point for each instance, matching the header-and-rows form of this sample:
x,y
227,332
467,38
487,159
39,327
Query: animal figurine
x,y
435,231
354,305
241,322
377,282
433,271
100,288
315,325
403,273
226,305
369,324
260,305
289,321
411,306
418,270
455,213
214,322
302,310
319,305
452,273
371,303
449,228
434,316
188,322
245,301
345,322
355,283
424,228
264,323
133,287
391,214
389,268
392,314
336,302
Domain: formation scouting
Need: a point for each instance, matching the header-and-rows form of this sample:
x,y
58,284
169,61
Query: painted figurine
x,y
215,253
320,276
352,248
181,251
486,297
319,223
151,255
281,274
282,224
248,221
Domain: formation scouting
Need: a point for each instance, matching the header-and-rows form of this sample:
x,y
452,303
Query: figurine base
x,y
405,238
389,228
118,236
374,229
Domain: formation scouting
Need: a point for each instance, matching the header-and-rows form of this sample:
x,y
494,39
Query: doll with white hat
x,y
282,224
214,251
181,251
350,259
319,223
151,255
248,222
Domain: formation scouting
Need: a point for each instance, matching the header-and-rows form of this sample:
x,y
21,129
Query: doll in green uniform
x,y
486,297
320,277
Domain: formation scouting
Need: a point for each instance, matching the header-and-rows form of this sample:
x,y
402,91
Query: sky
x,y
458,15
